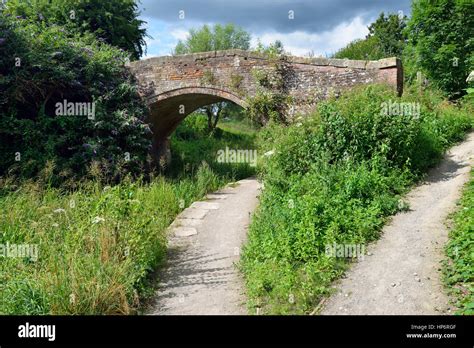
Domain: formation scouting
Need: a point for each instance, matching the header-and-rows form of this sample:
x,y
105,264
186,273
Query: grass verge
x,y
458,268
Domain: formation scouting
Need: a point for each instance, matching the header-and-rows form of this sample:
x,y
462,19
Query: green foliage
x,y
362,49
208,78
386,38
271,100
272,51
389,33
192,143
334,177
54,67
266,106
236,81
218,37
97,245
441,33
114,21
458,267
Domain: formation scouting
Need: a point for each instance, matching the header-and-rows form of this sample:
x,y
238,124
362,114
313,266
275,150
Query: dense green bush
x,y
41,66
333,178
114,21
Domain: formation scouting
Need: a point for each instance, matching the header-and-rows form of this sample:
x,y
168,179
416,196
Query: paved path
x,y
205,242
401,276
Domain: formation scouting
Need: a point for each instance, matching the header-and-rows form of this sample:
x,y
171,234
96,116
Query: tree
x,y
442,38
273,50
386,38
205,39
113,21
219,37
364,49
389,34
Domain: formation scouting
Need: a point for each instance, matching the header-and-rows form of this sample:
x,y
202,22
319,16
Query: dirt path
x,y
401,273
200,277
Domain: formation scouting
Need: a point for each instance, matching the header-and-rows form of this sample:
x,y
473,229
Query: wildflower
x,y
269,153
97,220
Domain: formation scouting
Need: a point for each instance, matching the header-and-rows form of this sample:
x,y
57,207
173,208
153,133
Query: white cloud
x,y
179,34
299,43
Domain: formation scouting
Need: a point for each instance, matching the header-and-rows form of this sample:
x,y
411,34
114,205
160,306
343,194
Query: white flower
x,y
269,153
97,220
59,210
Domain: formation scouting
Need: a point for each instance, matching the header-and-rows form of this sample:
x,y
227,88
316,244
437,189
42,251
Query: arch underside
x,y
168,109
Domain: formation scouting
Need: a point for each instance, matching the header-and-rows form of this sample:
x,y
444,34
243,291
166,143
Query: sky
x,y
318,26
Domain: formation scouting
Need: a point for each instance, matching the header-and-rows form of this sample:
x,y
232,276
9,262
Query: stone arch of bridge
x,y
168,109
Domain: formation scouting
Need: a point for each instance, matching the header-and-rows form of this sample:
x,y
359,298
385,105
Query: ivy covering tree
x,y
113,21
441,37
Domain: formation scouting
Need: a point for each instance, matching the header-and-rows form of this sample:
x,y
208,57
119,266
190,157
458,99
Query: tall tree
x,y
218,37
386,38
113,21
441,34
205,39
389,34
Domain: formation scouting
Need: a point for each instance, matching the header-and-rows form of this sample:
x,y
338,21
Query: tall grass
x,y
97,244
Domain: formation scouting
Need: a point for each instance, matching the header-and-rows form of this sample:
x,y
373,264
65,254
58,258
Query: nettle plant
x,y
43,67
271,100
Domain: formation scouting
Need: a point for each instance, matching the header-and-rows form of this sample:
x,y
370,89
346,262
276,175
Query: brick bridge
x,y
175,86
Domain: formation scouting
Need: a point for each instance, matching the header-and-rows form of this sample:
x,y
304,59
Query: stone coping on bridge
x,y
318,61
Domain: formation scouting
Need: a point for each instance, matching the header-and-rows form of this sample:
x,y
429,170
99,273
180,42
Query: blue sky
x,y
320,26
